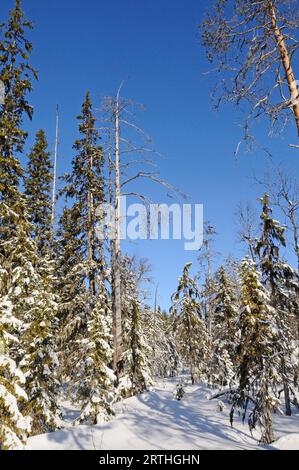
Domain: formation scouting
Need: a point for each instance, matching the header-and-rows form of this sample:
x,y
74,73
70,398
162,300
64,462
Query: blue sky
x,y
153,46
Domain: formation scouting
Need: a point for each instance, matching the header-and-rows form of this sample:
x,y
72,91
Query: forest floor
x,y
156,420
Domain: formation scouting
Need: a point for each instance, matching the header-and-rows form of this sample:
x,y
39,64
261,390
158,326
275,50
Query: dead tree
x,y
129,145
246,220
54,180
253,44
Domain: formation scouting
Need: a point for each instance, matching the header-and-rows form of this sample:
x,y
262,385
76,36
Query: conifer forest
x,y
104,344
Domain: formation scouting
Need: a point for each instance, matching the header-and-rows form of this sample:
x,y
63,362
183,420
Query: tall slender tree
x,y
191,330
16,74
225,330
280,279
257,373
38,191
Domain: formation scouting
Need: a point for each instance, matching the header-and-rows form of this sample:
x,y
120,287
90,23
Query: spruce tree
x,y
18,282
80,252
258,368
85,186
14,426
95,388
280,279
191,330
16,73
38,191
224,330
73,293
158,332
40,361
136,376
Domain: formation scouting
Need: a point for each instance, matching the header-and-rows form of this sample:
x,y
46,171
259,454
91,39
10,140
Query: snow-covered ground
x,y
155,420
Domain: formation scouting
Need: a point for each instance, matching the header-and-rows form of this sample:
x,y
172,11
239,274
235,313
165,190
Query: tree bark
x,y
117,316
53,211
286,62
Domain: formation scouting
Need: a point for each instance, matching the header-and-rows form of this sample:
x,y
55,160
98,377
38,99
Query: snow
x,y
289,442
155,420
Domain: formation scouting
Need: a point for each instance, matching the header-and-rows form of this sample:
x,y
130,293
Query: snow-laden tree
x,y
190,328
137,374
73,292
258,350
222,367
282,283
84,187
37,184
14,426
40,362
163,355
16,74
95,388
80,253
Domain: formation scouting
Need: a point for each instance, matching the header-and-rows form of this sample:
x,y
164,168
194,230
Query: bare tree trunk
x,y
90,242
53,212
286,62
117,317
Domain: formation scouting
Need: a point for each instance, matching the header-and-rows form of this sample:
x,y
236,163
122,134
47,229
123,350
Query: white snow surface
x,y
155,420
289,442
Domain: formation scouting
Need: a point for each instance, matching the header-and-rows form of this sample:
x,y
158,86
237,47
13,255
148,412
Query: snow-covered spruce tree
x,y
85,186
158,331
80,253
96,388
37,184
16,74
73,292
17,252
190,329
282,282
136,376
258,368
40,362
19,280
14,427
223,361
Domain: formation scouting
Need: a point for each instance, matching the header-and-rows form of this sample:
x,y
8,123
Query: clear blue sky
x,y
155,47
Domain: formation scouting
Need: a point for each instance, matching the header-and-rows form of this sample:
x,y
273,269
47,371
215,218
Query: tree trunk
x,y
268,436
286,62
117,317
53,209
91,235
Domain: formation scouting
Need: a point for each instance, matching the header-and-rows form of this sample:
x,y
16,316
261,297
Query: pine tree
x,y
224,330
16,73
38,191
96,388
40,362
280,279
191,330
258,348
